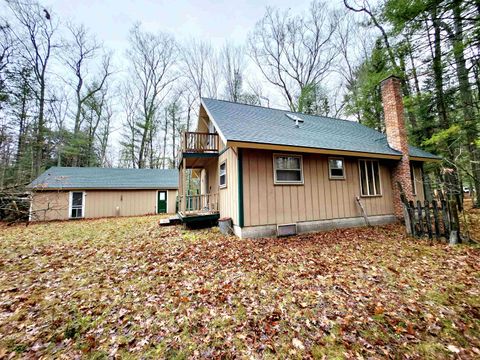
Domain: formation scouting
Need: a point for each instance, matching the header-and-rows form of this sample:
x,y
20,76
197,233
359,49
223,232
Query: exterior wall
x,y
317,199
49,205
420,195
172,201
228,196
101,203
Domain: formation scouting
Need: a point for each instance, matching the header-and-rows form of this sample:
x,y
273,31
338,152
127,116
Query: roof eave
x,y
280,147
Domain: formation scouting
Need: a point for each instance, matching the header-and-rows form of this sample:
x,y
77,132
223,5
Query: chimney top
x,y
390,77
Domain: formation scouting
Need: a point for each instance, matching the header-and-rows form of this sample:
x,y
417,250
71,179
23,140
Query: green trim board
x,y
240,188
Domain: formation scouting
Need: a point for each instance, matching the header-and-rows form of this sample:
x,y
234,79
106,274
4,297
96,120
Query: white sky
x,y
210,20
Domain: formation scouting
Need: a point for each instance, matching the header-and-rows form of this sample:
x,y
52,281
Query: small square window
x,y
223,175
336,168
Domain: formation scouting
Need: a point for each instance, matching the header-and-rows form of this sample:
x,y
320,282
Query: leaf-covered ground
x,y
128,288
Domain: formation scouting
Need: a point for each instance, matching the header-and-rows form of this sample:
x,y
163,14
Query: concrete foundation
x,y
313,226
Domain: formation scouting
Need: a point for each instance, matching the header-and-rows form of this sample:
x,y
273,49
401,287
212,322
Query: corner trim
x,y
240,188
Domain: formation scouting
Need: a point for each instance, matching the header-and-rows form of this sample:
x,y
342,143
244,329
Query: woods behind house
x,y
67,100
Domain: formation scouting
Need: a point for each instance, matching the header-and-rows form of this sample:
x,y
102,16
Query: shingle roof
x,y
106,178
250,123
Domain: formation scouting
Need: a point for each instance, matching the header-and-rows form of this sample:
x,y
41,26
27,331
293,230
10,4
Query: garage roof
x,y
65,178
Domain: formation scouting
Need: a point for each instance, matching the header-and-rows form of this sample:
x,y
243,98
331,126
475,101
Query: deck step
x,y
174,220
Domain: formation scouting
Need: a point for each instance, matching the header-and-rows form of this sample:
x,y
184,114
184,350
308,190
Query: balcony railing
x,y
200,142
199,204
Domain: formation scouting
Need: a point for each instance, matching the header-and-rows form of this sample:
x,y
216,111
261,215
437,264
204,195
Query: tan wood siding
x,y
171,201
318,198
50,205
101,203
228,196
420,195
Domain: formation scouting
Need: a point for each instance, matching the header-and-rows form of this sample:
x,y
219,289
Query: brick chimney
x,y
397,139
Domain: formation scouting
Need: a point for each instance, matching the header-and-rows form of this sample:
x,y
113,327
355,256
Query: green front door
x,y
162,202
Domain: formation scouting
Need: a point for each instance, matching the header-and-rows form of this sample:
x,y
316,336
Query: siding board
x,y
319,198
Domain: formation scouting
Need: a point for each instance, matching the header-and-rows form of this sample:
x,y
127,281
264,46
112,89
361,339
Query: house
x,y
62,193
267,168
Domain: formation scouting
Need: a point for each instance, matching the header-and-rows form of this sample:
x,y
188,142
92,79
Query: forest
x,y
68,100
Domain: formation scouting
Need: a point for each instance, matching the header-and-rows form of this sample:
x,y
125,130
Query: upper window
x,y
288,169
369,178
223,175
336,168
77,204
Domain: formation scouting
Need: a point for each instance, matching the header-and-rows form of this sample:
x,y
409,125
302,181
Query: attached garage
x,y
63,193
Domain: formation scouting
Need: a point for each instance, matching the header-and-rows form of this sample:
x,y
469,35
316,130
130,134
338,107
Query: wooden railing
x,y
206,203
200,142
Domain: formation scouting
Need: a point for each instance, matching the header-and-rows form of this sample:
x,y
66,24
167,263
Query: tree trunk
x,y
469,121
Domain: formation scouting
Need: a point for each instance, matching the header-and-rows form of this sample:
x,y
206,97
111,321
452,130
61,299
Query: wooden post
x,y
435,217
413,220
454,223
184,186
364,213
420,217
406,216
428,219
446,220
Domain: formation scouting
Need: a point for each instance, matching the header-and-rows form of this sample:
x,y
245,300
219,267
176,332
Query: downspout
x,y
240,188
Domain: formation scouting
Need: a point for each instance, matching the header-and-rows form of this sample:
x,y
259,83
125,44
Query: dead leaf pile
x,y
112,287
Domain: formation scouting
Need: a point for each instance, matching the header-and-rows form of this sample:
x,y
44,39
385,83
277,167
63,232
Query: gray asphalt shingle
x,y
249,123
106,178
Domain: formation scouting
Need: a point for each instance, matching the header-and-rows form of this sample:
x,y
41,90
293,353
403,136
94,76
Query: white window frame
x,y
366,174
220,175
335,177
70,201
283,182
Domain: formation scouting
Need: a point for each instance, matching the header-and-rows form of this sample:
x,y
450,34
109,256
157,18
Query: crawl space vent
x,y
286,229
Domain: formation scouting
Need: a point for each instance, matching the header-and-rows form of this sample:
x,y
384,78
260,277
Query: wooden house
x,y
272,170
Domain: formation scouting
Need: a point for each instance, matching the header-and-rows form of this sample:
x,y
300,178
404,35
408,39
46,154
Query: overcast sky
x,y
214,21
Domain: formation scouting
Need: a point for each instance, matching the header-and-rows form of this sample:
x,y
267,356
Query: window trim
x,y
333,177
70,203
282,182
366,172
220,174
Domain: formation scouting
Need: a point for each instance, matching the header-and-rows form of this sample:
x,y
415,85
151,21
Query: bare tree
x,y
35,38
201,67
233,65
81,50
152,58
294,51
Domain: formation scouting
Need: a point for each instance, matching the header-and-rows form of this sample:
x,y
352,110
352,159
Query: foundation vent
x,y
286,229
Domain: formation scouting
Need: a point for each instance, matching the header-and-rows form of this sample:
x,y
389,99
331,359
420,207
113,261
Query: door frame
x,y
166,201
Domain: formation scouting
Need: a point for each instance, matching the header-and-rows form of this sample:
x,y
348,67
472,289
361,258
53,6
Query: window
x,y
335,168
288,169
369,178
412,178
77,204
223,175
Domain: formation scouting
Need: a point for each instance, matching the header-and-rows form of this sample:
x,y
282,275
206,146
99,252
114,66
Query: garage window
x,y
77,204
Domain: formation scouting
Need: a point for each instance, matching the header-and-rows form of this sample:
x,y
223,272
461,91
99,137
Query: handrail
x,y
200,142
199,203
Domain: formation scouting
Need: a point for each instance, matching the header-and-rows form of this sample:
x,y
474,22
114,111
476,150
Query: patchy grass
x,y
128,288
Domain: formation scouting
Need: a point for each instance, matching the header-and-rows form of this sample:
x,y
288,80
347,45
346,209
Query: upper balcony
x,y
198,148
200,142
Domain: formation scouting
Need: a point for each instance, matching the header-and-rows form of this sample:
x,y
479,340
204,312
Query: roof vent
x,y
295,118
